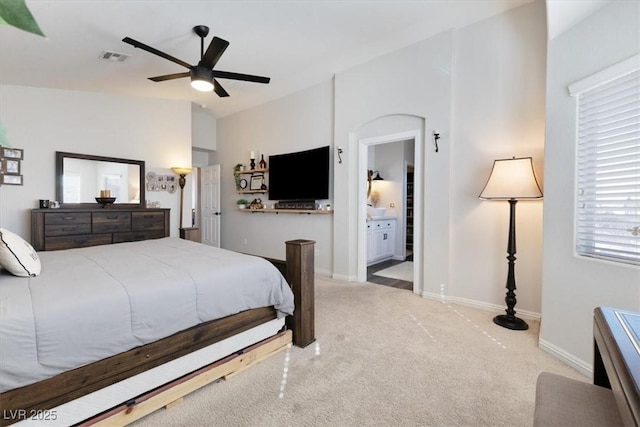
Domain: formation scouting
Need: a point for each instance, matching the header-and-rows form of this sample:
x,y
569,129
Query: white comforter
x,y
92,303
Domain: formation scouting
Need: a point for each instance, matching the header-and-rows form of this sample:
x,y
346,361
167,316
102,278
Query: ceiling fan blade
x,y
149,49
238,76
170,76
219,89
214,52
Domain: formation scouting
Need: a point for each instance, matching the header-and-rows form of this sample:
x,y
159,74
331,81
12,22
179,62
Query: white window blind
x,y
608,164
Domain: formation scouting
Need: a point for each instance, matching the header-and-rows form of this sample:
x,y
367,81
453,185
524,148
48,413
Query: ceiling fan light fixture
x,y
202,79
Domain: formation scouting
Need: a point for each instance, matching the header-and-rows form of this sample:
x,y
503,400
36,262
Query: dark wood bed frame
x,y
49,393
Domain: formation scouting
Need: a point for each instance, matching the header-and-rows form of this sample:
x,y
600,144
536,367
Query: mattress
x,y
92,303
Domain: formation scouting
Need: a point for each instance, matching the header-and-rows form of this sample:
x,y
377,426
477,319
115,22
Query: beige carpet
x,y
403,271
383,357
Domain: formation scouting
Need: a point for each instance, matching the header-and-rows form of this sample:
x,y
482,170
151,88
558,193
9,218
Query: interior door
x,y
210,204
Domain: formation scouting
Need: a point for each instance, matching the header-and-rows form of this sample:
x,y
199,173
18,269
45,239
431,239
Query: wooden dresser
x,y
54,229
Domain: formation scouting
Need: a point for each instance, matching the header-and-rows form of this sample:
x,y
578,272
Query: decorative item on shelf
x,y
256,204
512,180
262,164
237,170
105,201
257,181
10,166
242,203
252,157
182,172
263,186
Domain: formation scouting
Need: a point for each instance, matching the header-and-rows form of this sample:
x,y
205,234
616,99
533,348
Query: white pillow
x,y
18,256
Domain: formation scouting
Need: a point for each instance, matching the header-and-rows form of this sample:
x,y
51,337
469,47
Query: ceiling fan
x,y
203,76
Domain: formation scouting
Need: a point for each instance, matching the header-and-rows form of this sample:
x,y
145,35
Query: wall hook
x,y
339,154
436,137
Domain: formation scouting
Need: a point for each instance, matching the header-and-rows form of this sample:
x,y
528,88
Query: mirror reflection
x,y
83,180
80,178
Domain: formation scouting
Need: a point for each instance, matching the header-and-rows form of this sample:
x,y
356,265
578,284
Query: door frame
x,y
363,154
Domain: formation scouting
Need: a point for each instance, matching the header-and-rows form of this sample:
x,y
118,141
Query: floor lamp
x,y
182,172
512,180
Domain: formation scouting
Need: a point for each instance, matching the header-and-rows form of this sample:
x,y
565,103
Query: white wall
x,y
498,112
43,121
407,90
573,286
300,121
203,128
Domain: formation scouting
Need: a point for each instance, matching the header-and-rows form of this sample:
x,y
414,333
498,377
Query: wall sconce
x,y
512,180
182,172
371,178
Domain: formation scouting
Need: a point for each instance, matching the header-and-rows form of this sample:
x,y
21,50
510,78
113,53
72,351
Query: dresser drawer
x,y
66,229
147,221
137,236
110,222
61,218
79,241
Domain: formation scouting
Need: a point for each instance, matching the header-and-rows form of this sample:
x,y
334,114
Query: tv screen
x,y
303,175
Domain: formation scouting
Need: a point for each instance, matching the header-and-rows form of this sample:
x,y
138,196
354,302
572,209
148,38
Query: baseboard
x,y
478,304
323,272
343,277
576,363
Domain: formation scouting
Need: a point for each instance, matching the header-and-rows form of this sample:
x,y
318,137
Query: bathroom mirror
x,y
81,177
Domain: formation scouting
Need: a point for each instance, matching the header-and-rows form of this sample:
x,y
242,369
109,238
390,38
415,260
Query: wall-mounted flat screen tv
x,y
303,175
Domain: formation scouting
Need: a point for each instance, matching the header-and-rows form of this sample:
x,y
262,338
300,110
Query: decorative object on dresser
x,y
512,180
105,201
10,166
74,228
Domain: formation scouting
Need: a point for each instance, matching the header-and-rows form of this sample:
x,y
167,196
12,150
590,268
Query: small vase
x,y
262,164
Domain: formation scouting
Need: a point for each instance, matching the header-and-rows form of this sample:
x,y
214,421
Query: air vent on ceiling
x,y
113,56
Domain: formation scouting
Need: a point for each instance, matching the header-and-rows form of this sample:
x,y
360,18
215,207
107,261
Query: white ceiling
x,y
296,43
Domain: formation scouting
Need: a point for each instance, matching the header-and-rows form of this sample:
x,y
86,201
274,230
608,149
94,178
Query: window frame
x,y
591,83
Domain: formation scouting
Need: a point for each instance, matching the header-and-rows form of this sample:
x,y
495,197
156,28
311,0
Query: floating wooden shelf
x,y
296,211
250,191
249,171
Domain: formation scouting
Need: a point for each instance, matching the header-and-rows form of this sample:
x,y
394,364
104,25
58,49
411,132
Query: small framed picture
x,y
10,166
256,182
12,153
11,179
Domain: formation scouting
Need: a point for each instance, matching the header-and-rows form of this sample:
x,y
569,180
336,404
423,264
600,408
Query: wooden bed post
x,y
300,275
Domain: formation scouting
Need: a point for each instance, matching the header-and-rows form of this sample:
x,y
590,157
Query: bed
x,y
100,316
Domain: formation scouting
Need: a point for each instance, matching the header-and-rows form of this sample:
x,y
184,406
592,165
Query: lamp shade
x,y
181,171
512,179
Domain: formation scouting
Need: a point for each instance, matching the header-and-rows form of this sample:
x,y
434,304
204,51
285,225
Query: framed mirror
x,y
80,178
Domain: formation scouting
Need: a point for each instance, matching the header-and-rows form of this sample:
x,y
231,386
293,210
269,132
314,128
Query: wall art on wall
x,y
12,153
10,166
11,179
157,182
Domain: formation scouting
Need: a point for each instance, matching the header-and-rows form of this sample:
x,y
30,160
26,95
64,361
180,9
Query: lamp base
x,y
511,322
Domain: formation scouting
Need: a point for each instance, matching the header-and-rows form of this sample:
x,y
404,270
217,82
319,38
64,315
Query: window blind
x,y
608,169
